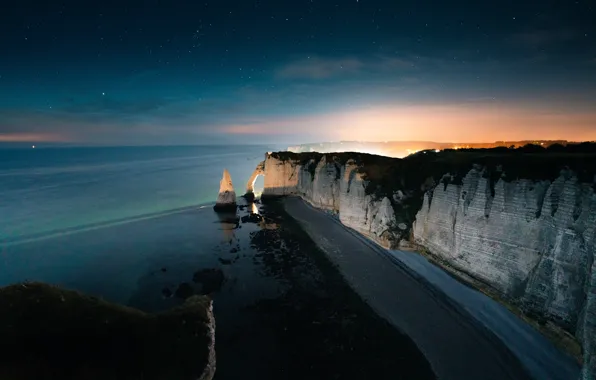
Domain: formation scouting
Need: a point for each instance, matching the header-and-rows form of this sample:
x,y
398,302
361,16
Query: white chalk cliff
x,y
532,240
226,199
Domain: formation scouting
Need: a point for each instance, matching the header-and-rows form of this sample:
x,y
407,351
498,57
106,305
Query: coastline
x,y
330,250
281,309
562,339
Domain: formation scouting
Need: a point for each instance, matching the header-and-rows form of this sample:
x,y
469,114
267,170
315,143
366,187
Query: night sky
x,y
291,71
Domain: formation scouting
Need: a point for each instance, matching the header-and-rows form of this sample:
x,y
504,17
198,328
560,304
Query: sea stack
x,y
226,200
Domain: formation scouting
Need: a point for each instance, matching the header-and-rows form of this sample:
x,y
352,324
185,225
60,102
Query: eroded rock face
x,y
226,199
335,187
533,240
67,334
326,185
281,177
587,328
371,217
259,170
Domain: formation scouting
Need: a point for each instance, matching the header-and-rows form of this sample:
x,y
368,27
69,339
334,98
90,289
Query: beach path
x,y
454,343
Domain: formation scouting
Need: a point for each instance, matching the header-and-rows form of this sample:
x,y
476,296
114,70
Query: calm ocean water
x,y
49,190
74,216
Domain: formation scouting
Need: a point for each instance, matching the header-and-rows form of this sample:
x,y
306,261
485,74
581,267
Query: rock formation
x,y
329,184
53,333
259,170
226,199
524,225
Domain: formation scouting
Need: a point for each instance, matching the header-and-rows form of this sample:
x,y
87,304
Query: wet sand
x,y
454,343
314,326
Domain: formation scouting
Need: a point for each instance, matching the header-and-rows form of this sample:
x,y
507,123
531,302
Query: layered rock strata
x,y
532,239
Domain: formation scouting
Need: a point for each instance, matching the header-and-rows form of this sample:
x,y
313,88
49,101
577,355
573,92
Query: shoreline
x,y
422,281
23,239
457,347
562,339
281,309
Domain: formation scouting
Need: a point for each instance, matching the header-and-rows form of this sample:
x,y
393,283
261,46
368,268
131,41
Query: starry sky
x,y
255,71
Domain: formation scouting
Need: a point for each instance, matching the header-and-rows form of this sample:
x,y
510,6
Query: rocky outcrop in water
x,y
524,224
226,199
54,333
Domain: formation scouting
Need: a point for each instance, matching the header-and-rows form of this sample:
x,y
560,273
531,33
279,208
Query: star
x,y
103,93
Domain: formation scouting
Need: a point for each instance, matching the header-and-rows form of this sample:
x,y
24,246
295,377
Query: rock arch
x,y
259,170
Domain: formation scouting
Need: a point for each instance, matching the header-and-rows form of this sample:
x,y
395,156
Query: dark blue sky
x,y
173,72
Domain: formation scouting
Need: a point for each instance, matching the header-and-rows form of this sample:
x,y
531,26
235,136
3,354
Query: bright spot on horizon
x,y
33,147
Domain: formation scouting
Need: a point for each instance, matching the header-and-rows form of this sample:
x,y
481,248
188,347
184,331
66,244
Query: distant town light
x,y
437,150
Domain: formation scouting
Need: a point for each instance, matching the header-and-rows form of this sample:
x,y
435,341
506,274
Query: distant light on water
x,y
32,146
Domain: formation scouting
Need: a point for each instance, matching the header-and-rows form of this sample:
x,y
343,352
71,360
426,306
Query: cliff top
x,y
528,162
68,334
415,174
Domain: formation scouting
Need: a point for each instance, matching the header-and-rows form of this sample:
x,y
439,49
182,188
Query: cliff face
x,y
532,239
336,187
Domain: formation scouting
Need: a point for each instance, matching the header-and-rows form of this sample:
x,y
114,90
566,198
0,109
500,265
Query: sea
x,y
136,226
69,215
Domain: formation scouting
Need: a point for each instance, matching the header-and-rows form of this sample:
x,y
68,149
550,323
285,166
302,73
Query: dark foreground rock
x,y
52,333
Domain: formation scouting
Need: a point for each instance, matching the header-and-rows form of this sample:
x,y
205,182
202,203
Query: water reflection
x,y
229,222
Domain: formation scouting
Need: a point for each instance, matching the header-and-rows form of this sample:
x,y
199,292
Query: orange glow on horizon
x,y
30,137
434,123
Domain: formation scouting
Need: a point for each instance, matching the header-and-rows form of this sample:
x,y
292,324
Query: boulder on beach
x,y
226,199
53,333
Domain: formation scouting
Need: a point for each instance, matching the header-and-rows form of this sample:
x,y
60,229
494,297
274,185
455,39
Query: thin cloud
x,y
323,68
540,38
319,68
31,137
390,63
